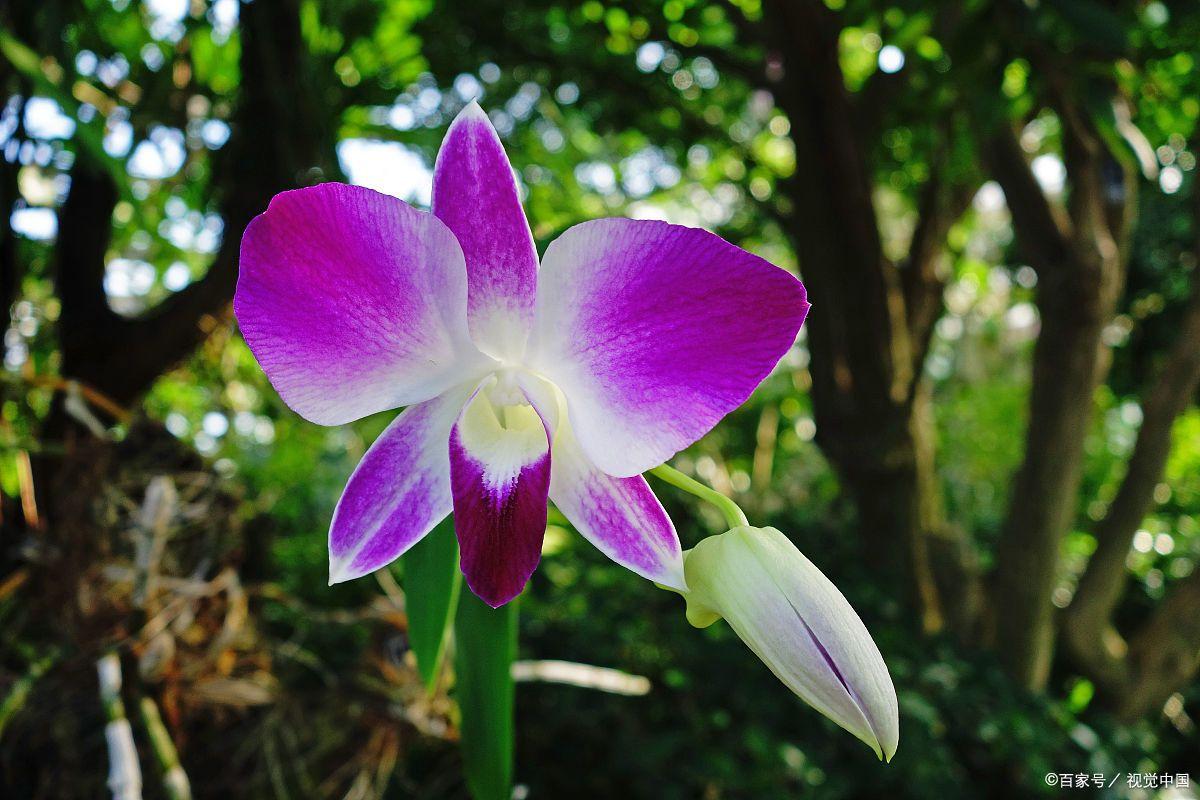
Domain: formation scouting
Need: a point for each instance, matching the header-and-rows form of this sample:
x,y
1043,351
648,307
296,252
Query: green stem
x,y
20,691
175,780
734,516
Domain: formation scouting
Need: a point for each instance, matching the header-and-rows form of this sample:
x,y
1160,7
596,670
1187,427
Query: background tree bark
x,y
279,140
870,324
1136,677
1079,258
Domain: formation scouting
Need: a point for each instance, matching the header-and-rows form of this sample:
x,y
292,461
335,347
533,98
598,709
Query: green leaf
x,y
486,643
431,584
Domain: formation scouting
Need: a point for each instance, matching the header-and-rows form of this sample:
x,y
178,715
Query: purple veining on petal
x,y
353,302
475,194
499,478
620,516
398,492
625,519
653,332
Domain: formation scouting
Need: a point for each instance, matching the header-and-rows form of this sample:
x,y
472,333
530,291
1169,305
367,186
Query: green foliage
x,y
653,109
432,582
485,645
712,717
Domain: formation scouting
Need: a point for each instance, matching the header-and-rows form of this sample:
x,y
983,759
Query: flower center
x,y
512,409
506,391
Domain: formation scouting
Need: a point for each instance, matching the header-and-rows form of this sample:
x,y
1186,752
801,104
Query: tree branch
x,y
939,206
953,565
1096,220
122,357
1044,232
1165,654
84,231
1087,626
10,270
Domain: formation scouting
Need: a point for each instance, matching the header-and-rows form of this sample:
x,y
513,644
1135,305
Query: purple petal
x,y
399,490
499,474
475,194
353,302
654,332
620,516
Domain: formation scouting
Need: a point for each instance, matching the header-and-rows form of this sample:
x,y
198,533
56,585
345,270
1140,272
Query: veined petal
x,y
799,624
620,516
399,490
654,332
353,302
499,474
475,194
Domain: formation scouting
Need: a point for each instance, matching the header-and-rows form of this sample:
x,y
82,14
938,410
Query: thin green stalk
x,y
175,780
734,516
20,690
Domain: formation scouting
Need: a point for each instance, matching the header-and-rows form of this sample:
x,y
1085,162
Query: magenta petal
x,y
475,194
653,332
620,516
398,492
499,475
353,302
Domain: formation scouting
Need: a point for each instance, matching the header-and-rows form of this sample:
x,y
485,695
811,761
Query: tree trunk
x,y
1134,677
1079,257
1068,366
870,322
898,497
121,357
859,384
1165,654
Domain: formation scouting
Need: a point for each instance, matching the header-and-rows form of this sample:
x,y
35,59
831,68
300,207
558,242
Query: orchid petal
x,y
654,332
620,516
353,302
475,194
499,474
399,490
799,624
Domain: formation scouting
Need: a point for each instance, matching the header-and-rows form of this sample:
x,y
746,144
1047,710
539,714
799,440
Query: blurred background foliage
x,y
138,138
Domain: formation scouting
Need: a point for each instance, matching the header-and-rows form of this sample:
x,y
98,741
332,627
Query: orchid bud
x,y
799,624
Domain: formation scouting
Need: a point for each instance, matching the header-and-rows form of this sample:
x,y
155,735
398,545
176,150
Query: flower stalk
x,y
734,516
175,780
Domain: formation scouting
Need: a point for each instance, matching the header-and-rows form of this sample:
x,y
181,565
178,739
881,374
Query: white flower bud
x,y
799,624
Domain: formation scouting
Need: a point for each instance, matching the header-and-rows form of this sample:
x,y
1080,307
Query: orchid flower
x,y
522,381
798,624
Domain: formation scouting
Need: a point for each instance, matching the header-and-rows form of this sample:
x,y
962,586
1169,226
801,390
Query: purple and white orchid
x,y
564,379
